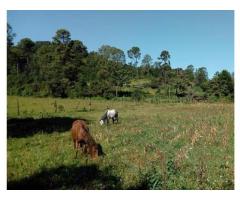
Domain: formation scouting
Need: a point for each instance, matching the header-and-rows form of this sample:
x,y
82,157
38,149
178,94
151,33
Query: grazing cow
x,y
83,140
109,114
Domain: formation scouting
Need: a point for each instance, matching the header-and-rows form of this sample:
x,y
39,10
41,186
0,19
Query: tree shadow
x,y
68,177
29,126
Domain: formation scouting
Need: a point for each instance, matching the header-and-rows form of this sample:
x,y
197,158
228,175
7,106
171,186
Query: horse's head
x,y
100,150
103,118
96,150
101,122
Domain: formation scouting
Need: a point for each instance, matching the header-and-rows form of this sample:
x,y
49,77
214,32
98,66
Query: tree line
x,y
65,68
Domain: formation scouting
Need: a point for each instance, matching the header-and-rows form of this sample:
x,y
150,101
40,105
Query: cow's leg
x,y
85,148
76,153
74,144
76,148
113,120
82,145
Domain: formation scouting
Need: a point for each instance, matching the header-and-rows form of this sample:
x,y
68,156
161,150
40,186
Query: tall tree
x,y
165,73
222,84
11,56
62,36
10,35
26,45
165,57
134,54
146,65
112,53
26,50
201,77
147,61
74,68
76,51
189,73
120,76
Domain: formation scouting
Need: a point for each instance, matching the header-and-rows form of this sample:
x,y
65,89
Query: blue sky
x,y
200,38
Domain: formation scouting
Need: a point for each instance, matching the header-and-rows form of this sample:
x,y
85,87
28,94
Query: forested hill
x,y
64,68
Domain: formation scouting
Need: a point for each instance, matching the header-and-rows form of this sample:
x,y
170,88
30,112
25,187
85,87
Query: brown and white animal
x,y
83,140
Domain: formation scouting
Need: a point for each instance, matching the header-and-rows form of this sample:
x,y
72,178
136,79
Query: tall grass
x,y
154,146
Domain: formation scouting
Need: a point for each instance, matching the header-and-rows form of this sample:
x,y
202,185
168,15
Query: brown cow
x,y
83,140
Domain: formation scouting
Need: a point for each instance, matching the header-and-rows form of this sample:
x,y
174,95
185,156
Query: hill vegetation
x,y
64,68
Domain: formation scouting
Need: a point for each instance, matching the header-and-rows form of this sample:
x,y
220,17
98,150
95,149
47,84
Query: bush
x,y
72,93
154,84
138,95
108,95
13,91
213,98
27,91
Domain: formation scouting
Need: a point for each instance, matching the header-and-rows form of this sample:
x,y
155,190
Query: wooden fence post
x,y
18,108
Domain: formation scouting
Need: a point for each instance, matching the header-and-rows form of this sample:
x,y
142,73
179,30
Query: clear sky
x,y
200,38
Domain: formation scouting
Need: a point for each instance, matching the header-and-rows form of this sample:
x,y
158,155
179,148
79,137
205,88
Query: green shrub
x,y
138,95
27,91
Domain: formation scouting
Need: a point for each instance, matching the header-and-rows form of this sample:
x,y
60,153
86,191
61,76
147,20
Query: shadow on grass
x,y
29,126
68,177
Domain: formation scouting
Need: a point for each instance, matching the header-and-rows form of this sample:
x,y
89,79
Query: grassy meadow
x,y
154,146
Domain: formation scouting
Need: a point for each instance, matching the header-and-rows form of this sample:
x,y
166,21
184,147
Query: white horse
x,y
109,114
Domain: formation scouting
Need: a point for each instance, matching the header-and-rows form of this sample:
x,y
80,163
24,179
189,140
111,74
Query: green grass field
x,y
154,146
